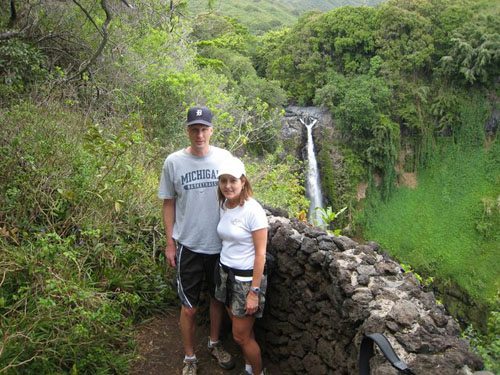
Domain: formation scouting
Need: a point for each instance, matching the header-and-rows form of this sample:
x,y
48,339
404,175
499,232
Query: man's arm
x,y
168,221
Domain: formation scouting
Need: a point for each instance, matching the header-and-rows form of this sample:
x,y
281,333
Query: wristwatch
x,y
255,289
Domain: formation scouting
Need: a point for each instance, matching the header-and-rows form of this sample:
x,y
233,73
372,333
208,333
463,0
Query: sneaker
x,y
244,372
223,358
190,367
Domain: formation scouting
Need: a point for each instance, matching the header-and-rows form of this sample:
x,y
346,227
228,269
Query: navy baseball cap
x,y
199,115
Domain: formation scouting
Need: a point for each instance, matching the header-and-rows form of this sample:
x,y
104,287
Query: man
x,y
188,187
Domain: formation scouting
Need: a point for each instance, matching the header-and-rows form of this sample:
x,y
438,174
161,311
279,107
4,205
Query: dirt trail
x,y
160,349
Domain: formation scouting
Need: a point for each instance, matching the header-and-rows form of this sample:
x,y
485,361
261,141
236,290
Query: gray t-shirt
x,y
192,181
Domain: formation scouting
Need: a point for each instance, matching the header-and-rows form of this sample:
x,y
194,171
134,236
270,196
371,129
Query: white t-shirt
x,y
192,181
235,229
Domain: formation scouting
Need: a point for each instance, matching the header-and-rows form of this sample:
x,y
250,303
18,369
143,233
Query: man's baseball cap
x,y
199,115
233,167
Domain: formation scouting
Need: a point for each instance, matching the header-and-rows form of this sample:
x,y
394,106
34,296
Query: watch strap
x,y
255,289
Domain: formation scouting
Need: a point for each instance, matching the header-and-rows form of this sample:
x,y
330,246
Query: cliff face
x,y
326,292
293,132
339,184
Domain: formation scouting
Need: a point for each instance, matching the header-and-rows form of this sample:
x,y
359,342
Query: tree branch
x,y
87,14
10,34
127,4
13,12
104,40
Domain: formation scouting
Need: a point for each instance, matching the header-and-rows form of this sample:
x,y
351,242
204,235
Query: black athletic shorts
x,y
192,269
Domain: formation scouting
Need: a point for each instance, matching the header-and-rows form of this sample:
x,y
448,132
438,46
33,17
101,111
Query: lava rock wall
x,y
326,292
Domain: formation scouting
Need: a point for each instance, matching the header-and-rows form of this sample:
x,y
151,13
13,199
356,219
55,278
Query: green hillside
x,y
447,230
264,15
458,196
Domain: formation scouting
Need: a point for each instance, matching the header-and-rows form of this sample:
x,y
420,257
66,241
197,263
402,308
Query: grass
x,y
435,226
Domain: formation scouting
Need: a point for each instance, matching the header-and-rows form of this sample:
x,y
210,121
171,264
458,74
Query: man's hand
x,y
168,221
170,253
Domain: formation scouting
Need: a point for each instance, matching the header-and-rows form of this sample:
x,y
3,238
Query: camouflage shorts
x,y
240,289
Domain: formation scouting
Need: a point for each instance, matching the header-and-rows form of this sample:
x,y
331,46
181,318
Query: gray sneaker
x,y
223,358
190,367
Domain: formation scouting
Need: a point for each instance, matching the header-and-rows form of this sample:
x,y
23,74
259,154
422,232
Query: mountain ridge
x,y
264,15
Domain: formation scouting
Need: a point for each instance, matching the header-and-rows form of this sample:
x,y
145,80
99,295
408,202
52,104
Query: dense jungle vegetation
x,y
93,97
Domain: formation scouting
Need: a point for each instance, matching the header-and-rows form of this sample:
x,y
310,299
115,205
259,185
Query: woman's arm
x,y
259,241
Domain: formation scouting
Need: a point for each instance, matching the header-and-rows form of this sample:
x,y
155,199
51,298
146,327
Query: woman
x,y
241,280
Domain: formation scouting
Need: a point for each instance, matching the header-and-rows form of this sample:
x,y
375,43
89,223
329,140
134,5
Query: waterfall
x,y
313,181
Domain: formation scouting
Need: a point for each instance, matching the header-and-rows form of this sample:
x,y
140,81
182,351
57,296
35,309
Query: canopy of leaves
x,y
341,40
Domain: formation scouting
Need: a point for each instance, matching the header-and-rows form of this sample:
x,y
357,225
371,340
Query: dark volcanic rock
x,y
327,292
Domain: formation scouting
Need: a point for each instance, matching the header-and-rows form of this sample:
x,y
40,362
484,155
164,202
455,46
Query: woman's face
x,y
230,187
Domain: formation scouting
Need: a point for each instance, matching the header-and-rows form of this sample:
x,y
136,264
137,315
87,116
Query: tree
x,y
341,40
475,51
404,39
267,50
362,106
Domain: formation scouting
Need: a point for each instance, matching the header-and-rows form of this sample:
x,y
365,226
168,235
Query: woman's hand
x,y
252,303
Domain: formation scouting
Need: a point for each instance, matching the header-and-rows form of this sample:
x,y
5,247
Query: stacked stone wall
x,y
326,292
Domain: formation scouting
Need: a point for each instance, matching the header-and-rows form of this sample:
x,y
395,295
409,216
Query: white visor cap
x,y
233,167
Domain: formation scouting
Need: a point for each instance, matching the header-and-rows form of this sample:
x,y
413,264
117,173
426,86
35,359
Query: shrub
x,y
487,345
278,183
79,237
20,63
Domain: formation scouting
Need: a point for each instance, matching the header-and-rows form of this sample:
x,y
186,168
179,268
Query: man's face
x,y
199,136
